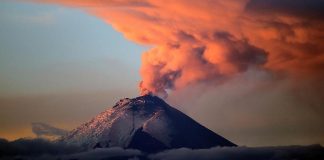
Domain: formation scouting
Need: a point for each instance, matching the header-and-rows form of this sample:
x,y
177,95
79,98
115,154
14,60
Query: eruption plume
x,y
210,41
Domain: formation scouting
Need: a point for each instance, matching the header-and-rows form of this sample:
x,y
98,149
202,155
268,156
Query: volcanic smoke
x,y
197,42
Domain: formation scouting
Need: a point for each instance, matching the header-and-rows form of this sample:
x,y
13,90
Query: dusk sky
x,y
60,64
247,72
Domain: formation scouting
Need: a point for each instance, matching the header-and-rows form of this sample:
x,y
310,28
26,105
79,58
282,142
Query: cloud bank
x,y
34,147
197,42
42,129
42,149
244,153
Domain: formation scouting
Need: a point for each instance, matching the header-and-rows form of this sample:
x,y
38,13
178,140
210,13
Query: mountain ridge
x,y
146,123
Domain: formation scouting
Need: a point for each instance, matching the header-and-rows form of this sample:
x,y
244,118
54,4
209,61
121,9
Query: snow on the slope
x,y
159,123
115,126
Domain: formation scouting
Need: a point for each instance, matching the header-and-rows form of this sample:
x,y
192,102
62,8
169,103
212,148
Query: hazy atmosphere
x,y
60,66
63,61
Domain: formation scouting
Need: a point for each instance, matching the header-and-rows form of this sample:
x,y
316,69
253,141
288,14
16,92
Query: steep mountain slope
x,y
146,123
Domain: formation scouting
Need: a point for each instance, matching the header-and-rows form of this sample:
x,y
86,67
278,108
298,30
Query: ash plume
x,y
194,41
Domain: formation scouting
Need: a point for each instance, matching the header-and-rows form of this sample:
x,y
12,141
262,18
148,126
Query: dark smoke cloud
x,y
312,9
42,129
292,32
241,53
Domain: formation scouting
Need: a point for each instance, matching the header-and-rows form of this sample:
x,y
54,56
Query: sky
x,y
249,70
60,63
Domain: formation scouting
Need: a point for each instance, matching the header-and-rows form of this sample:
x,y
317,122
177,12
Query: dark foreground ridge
x,y
146,123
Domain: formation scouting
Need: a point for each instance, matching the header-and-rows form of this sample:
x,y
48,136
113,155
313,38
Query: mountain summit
x,y
146,123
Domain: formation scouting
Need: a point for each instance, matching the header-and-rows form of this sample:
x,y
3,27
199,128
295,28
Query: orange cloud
x,y
197,41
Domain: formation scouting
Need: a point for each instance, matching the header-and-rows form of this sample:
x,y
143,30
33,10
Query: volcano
x,y
146,123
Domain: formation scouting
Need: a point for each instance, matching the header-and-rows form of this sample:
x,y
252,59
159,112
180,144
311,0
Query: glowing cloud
x,y
210,41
